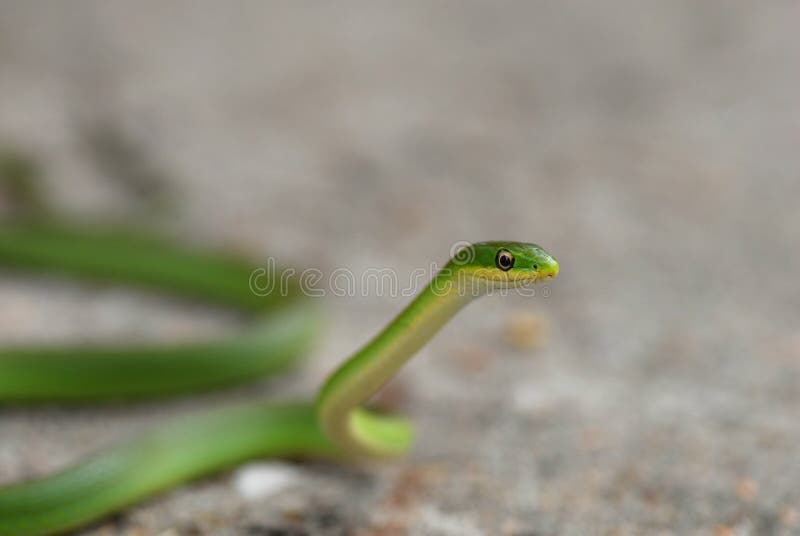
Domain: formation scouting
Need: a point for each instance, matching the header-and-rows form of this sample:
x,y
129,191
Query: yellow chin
x,y
500,279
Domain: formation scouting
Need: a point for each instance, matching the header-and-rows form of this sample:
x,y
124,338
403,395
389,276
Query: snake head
x,y
503,264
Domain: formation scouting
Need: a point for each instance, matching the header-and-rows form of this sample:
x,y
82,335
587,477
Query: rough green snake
x,y
335,426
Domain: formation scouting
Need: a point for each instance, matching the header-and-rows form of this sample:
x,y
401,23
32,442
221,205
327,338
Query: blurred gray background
x,y
652,147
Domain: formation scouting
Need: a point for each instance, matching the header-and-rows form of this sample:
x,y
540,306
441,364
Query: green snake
x,y
336,425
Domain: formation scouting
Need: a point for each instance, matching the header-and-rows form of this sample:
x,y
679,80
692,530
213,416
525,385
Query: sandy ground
x,y
652,147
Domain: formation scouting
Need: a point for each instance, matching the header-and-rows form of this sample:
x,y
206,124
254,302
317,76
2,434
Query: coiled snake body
x,y
336,425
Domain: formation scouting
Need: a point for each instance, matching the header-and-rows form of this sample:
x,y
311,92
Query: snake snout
x,y
549,268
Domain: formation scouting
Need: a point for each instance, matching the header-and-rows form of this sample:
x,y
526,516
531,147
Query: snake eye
x,y
504,260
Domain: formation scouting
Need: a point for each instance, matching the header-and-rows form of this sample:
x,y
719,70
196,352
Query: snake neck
x,y
356,430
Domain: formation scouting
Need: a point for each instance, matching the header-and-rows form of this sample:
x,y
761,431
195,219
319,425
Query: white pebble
x,y
259,480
